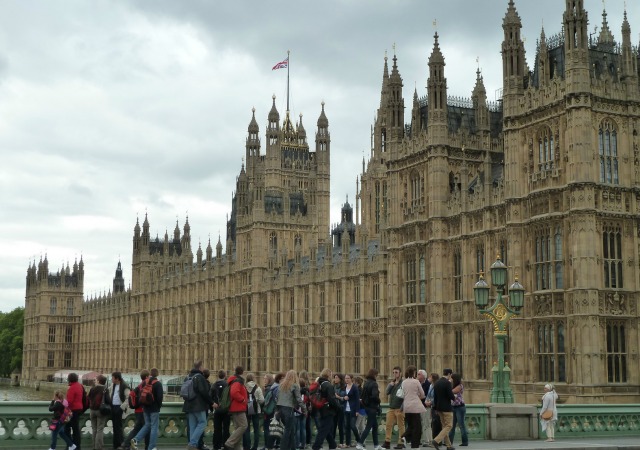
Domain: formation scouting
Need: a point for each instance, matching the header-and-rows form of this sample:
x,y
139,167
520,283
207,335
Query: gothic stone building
x,y
548,178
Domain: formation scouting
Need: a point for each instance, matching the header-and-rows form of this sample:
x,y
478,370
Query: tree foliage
x,y
11,332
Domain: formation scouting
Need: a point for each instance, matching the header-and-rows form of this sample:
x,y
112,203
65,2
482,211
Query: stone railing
x,y
25,424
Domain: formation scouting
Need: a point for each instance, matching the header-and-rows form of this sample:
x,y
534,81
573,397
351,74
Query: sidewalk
x,y
620,443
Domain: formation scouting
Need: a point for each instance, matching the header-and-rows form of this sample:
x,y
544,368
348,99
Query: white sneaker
x,y
379,447
73,447
359,446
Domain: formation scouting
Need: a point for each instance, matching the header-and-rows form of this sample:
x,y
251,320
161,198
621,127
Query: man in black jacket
x,y
442,397
197,406
325,415
221,420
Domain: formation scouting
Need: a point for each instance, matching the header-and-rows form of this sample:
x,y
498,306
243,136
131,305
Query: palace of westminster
x,y
548,177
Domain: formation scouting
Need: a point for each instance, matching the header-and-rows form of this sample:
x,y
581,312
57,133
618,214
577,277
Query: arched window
x,y
423,280
273,243
608,151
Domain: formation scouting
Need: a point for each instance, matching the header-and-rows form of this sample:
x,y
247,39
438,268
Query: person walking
x,y
326,414
442,398
151,395
197,405
395,416
413,407
238,409
459,410
134,403
549,410
434,419
361,419
338,419
254,409
370,399
57,428
98,420
289,400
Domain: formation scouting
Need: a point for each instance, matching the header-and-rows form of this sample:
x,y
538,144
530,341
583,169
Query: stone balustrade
x,y
25,424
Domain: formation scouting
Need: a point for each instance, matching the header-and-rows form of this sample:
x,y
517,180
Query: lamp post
x,y
499,313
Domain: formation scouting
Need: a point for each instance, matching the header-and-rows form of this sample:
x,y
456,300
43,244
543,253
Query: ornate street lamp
x,y
499,313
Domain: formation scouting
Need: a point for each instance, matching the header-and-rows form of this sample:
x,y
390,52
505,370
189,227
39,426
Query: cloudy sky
x,y
110,109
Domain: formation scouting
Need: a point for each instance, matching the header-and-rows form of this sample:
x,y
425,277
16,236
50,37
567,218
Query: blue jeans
x,y
350,426
151,421
252,421
59,431
288,441
197,423
302,430
459,412
372,426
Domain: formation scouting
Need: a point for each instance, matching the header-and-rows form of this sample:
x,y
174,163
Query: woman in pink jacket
x,y
413,407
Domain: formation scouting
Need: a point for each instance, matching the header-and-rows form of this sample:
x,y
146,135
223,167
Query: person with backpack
x,y
75,397
57,406
134,403
370,399
303,416
221,419
239,397
268,382
151,395
195,393
98,420
269,408
254,408
325,413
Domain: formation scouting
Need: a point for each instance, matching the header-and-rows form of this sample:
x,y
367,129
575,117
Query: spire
x,y
274,116
302,133
629,61
437,85
385,73
323,122
136,229
209,251
199,254
176,232
513,54
605,39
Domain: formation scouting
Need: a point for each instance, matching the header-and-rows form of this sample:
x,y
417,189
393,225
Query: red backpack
x,y
146,393
318,401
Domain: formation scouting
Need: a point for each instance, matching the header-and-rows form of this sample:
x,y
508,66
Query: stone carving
x,y
542,304
615,304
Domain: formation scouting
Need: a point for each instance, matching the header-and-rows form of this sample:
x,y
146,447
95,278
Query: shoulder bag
x,y
105,408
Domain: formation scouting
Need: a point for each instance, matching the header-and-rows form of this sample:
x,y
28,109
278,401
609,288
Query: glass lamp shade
x,y
481,293
498,273
516,295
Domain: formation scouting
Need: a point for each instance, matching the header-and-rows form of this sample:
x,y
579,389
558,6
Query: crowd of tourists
x,y
343,408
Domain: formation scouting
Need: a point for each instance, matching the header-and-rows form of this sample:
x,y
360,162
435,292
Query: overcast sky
x,y
110,109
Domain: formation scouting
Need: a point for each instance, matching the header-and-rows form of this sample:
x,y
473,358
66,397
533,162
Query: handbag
x,y
547,415
400,392
105,408
276,428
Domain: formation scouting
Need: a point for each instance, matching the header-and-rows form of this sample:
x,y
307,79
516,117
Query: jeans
x,y
288,441
59,431
98,421
372,425
350,425
302,431
116,422
72,428
338,421
325,431
136,428
151,421
197,423
269,442
459,413
221,422
253,421
425,418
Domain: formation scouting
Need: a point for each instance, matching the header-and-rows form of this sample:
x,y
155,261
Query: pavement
x,y
618,443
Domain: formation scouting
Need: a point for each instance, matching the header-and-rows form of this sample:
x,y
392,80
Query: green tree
x,y
11,332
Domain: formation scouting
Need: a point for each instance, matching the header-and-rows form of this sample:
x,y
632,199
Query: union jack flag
x,y
282,64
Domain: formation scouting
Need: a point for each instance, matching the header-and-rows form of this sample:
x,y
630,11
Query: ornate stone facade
x,y
548,178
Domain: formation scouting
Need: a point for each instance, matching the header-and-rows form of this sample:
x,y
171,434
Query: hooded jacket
x,y
202,402
238,394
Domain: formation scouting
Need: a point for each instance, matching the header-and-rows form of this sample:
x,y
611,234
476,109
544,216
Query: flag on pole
x,y
282,64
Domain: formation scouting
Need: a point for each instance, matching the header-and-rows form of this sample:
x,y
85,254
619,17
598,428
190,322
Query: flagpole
x,y
288,64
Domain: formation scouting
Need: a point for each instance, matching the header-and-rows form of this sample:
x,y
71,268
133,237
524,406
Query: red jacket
x,y
238,394
74,396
